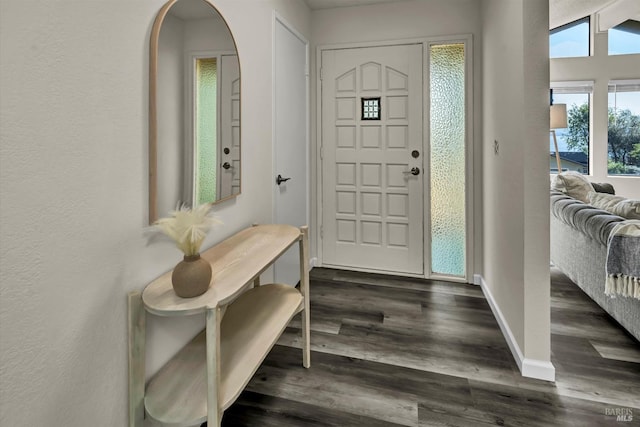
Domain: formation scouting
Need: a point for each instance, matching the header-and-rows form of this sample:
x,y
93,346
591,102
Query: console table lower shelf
x,y
250,327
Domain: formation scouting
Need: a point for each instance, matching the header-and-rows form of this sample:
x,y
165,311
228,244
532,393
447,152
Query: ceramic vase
x,y
191,277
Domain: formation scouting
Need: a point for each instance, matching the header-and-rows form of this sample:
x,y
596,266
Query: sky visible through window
x,y
571,41
625,101
623,42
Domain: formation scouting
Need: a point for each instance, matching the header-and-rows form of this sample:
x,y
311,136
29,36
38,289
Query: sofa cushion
x,y
603,187
573,184
603,200
617,205
589,220
571,214
600,226
629,209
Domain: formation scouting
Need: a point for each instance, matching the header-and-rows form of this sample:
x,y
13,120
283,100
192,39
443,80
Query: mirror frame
x,y
153,107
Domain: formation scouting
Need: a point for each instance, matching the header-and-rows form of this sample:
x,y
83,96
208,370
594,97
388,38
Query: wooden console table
x,y
243,322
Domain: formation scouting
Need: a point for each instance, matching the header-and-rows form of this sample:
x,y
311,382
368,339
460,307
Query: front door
x,y
229,167
372,158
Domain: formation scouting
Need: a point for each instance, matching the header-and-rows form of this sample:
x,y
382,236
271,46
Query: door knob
x,y
413,171
280,179
226,165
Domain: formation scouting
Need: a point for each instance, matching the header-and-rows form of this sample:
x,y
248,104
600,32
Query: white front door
x,y
229,155
372,158
290,140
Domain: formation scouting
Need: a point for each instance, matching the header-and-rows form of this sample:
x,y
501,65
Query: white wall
x,y
537,294
601,68
503,95
516,199
73,194
207,34
406,20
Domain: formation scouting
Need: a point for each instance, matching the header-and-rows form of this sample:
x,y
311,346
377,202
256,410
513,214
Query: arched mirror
x,y
194,108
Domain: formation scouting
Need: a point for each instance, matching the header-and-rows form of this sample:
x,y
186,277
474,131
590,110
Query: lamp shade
x,y
558,116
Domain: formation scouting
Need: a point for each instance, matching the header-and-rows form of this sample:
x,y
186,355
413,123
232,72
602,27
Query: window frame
x,y
577,87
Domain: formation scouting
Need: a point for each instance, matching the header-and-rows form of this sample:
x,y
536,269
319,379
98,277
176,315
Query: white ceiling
x,y
560,11
329,4
564,11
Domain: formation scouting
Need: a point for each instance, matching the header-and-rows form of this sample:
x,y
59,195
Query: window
x,y
371,108
570,40
623,135
574,142
447,167
206,102
625,38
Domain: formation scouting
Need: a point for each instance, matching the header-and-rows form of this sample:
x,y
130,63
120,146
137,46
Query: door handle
x,y
226,165
280,179
413,171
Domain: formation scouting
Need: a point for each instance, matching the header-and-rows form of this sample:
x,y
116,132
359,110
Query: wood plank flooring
x,y
389,351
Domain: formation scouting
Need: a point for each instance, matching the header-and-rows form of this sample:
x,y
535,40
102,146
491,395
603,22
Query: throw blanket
x,y
623,260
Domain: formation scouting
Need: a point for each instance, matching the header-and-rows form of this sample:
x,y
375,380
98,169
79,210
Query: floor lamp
x,y
558,119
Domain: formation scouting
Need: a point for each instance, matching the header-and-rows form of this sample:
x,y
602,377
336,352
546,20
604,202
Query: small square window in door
x,y
371,108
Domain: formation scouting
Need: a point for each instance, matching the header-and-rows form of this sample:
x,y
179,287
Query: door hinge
x,y
321,231
321,152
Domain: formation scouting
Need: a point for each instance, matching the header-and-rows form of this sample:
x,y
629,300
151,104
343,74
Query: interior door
x,y
290,140
372,158
229,155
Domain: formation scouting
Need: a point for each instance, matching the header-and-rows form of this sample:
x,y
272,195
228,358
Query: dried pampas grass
x,y
188,227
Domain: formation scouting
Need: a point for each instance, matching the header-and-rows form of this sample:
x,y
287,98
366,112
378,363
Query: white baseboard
x,y
538,369
313,262
531,368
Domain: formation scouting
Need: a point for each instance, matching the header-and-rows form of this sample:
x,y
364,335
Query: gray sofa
x,y
579,234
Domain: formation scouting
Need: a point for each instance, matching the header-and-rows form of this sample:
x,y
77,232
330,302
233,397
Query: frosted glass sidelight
x,y
206,130
447,133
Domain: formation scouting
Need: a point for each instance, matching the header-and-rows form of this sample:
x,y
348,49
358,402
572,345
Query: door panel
x,y
229,167
372,203
290,141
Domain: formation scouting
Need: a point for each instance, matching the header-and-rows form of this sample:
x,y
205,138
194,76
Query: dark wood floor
x,y
391,351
